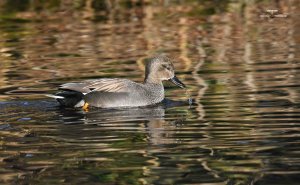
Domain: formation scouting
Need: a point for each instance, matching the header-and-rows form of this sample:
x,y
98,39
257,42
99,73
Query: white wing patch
x,y
54,96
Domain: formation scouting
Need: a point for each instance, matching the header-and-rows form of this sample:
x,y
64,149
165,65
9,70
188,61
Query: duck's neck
x,y
152,80
154,90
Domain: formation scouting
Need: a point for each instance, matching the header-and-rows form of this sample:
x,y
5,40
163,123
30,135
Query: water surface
x,y
241,69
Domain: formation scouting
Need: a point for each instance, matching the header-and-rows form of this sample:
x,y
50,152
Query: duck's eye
x,y
166,67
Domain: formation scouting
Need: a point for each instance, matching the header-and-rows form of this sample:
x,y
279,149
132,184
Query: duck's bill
x,y
177,82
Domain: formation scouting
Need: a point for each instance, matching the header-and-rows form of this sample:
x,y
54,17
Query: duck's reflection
x,y
152,120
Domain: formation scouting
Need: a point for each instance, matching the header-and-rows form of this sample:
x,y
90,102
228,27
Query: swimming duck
x,y
117,92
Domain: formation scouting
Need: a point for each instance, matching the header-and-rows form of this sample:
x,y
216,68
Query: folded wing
x,y
100,85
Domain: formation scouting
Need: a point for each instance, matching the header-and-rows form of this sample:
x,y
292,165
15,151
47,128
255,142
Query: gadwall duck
x,y
116,92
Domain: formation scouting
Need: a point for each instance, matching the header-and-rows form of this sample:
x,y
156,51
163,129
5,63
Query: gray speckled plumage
x,y
116,92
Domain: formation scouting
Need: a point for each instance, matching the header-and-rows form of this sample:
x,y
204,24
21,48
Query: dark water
x,y
242,70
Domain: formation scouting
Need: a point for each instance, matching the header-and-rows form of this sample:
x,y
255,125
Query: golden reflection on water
x,y
242,70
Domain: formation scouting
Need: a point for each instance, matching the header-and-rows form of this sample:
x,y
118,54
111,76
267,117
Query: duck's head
x,y
160,68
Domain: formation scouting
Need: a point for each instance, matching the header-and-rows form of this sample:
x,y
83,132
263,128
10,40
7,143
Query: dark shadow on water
x,y
52,110
99,115
159,122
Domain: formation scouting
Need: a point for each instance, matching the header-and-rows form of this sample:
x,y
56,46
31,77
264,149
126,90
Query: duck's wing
x,y
100,85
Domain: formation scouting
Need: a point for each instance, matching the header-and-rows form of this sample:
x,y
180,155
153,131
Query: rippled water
x,y
242,72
